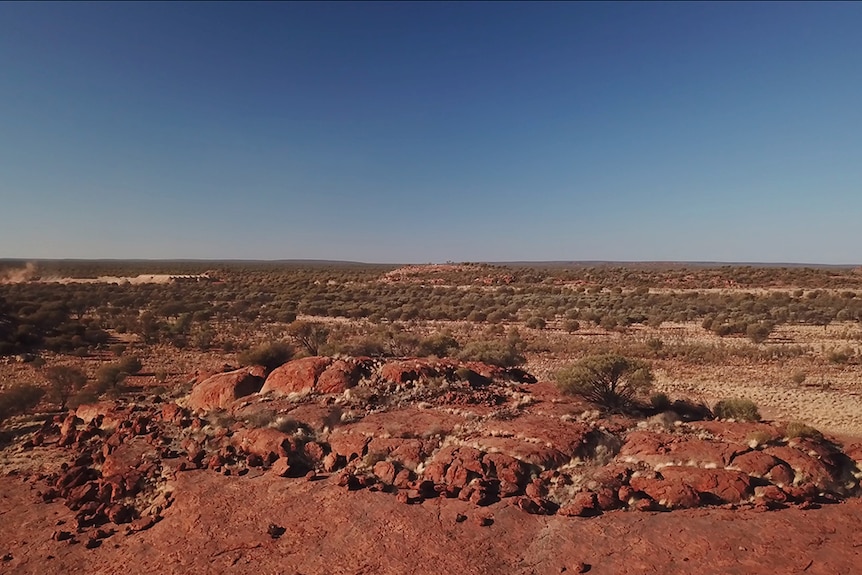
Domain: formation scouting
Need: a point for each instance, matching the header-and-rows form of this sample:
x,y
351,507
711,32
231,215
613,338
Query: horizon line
x,y
523,263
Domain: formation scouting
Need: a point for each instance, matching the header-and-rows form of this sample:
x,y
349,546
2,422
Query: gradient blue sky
x,y
411,132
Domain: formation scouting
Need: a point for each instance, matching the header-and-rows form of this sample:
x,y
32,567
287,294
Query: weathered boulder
x,y
385,472
756,463
297,376
340,375
222,389
722,484
263,442
416,370
669,494
349,445
807,468
583,504
660,449
459,467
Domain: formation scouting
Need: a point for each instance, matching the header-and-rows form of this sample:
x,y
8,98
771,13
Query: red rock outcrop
x,y
408,444
220,390
340,375
415,370
297,376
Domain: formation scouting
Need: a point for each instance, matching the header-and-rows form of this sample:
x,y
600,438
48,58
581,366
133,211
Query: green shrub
x,y
536,322
737,408
798,377
610,381
571,325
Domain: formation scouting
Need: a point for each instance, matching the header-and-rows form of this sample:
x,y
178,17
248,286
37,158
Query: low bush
x,y
759,332
737,408
610,381
840,355
441,344
761,437
130,365
797,429
109,377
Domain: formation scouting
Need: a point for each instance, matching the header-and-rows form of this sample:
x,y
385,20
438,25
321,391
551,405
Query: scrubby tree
x,y
130,364
108,377
759,332
610,381
308,334
64,381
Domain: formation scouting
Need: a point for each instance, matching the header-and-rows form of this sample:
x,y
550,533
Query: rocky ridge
x,y
416,430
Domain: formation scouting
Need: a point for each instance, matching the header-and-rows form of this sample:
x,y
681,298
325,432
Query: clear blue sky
x,y
410,132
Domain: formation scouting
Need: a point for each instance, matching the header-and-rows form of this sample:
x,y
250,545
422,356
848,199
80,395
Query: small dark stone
x,y
275,531
61,535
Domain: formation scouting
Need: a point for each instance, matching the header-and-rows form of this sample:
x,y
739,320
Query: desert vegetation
x,y
801,325
570,391
609,381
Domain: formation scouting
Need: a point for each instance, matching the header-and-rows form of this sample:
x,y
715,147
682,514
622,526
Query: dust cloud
x,y
18,275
